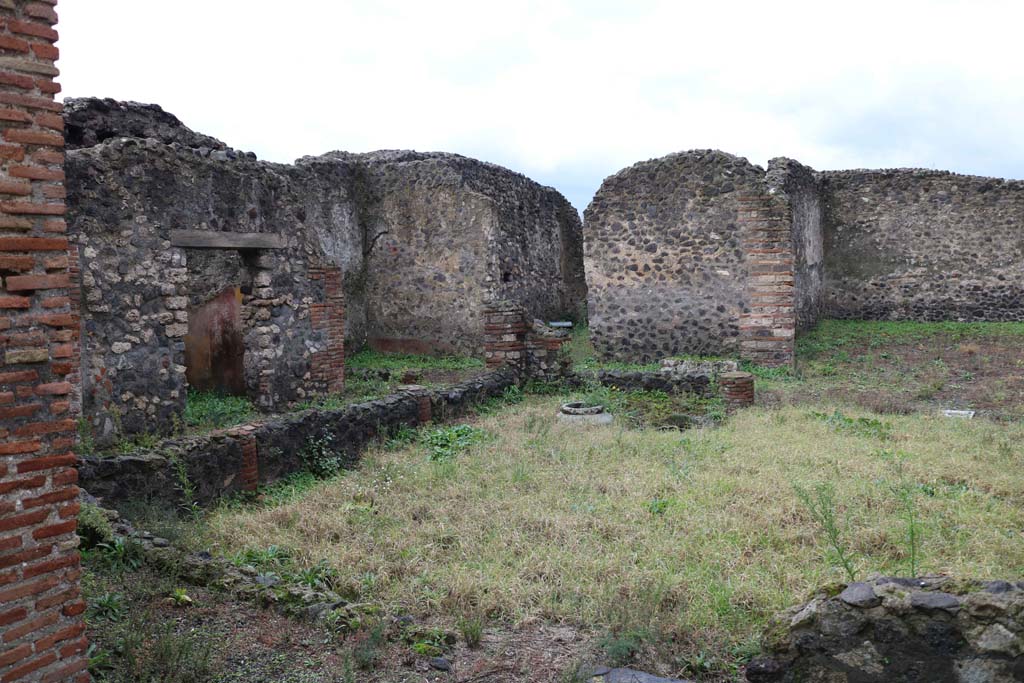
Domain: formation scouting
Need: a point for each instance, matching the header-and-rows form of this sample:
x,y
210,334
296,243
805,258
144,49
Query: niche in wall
x,y
215,344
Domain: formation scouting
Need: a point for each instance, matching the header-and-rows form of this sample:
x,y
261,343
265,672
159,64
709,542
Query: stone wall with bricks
x,y
666,265
530,347
798,189
704,253
40,604
912,244
142,289
445,233
416,242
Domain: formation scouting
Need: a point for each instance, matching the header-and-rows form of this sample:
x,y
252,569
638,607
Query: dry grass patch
x,y
687,539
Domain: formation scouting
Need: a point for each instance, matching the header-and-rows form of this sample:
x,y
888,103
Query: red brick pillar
x,y
768,329
40,604
246,438
737,389
505,332
329,316
424,409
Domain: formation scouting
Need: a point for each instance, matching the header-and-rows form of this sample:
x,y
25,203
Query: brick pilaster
x,y
768,328
737,389
246,437
505,333
40,603
329,317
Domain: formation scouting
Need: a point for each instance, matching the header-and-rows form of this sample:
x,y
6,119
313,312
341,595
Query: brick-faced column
x,y
329,317
505,331
245,435
737,389
40,603
768,328
424,409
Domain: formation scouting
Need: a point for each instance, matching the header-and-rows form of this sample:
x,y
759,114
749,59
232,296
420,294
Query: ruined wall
x,y
933,629
89,121
40,600
923,245
701,253
126,196
665,265
444,233
799,188
421,240
536,252
219,465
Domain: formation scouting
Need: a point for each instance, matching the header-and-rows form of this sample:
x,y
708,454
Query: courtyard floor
x,y
520,548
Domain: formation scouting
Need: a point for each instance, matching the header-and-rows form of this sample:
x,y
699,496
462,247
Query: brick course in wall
x,y
511,340
41,626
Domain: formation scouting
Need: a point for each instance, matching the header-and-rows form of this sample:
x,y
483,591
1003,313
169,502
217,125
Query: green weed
x,y
821,504
401,361
320,456
206,410
860,426
444,443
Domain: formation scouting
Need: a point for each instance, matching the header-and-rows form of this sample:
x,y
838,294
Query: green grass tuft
x,y
206,410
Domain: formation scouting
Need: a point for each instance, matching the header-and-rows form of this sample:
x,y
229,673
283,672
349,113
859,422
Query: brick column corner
x,y
329,317
737,389
768,328
505,332
40,602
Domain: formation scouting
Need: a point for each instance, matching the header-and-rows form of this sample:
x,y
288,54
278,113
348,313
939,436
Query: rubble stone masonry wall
x,y
703,253
911,244
444,234
41,626
398,249
665,264
128,197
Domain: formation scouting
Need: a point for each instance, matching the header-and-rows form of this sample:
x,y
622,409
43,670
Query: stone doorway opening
x,y
224,271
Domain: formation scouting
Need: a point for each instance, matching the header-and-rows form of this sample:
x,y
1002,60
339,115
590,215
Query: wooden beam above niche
x,y
205,239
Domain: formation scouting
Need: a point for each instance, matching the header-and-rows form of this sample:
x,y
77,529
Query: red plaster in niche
x,y
215,346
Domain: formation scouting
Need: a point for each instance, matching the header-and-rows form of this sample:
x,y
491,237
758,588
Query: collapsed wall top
x,y
90,120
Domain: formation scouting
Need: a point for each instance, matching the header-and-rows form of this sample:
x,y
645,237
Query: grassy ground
x,y
146,627
402,361
541,547
584,357
905,367
683,542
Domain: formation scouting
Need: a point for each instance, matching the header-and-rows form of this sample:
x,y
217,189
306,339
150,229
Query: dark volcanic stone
x,y
860,594
935,600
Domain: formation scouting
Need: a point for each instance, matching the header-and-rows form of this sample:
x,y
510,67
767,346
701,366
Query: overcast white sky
x,y
568,92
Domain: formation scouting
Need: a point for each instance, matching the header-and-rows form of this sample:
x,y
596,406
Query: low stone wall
x,y
221,464
932,629
626,380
